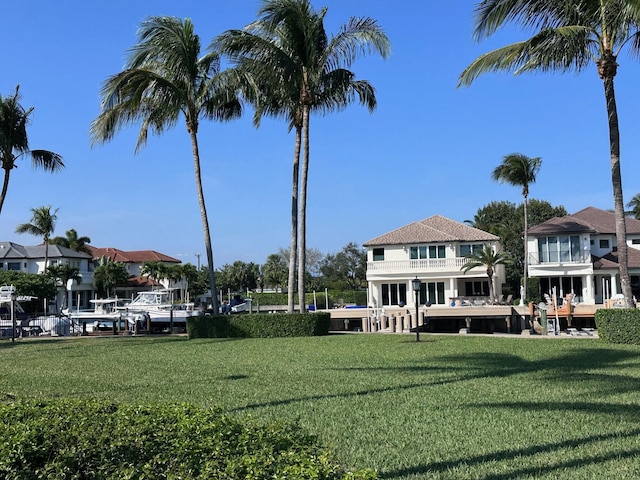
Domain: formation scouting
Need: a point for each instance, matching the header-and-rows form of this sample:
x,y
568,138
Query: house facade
x,y
432,250
578,254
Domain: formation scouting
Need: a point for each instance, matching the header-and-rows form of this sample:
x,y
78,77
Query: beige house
x,y
433,251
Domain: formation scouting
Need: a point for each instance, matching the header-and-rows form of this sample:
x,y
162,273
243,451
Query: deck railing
x,y
423,265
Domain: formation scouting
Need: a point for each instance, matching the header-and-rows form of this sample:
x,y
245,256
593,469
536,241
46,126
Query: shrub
x,y
100,440
618,325
259,325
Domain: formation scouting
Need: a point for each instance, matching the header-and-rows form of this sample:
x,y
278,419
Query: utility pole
x,y
198,257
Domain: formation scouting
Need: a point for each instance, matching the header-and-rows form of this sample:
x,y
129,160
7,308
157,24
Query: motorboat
x,y
100,318
160,312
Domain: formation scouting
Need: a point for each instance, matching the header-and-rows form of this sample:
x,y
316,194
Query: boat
x,y
100,318
161,314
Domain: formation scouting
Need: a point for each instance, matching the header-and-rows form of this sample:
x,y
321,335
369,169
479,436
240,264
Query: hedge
x,y
85,439
259,325
618,325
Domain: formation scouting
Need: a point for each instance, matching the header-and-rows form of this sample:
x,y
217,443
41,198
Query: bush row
x,y
83,439
259,325
619,325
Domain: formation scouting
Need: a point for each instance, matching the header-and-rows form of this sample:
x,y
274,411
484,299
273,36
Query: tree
x,y
488,259
274,271
108,275
164,79
61,274
520,171
43,223
346,268
634,205
154,270
14,142
73,241
570,35
505,219
297,69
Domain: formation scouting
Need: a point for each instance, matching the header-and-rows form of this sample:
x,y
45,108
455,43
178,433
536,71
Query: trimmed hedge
x,y
259,325
618,325
84,439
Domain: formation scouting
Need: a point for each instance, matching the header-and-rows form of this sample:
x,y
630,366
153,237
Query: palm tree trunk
x,y
526,251
302,230
293,249
205,219
616,180
5,187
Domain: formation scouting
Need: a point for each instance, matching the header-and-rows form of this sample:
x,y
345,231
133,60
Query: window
x,y
378,254
437,251
435,293
559,249
604,243
635,241
470,249
476,288
416,253
394,293
13,266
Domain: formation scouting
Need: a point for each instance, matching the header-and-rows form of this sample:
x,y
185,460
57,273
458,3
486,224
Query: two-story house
x,y
432,250
31,259
578,254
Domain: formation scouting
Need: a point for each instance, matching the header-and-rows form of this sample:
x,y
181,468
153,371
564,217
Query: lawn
x,y
447,407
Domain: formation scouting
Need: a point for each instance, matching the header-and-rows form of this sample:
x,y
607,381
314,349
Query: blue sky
x,y
428,149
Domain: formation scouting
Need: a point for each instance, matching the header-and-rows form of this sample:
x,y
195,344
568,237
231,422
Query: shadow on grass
x,y
520,454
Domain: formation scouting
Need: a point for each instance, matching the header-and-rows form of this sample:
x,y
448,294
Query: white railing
x,y
582,257
424,265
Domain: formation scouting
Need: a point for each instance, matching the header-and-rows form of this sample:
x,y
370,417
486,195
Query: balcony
x,y
453,265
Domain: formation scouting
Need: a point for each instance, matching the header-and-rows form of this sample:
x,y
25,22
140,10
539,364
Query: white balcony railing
x,y
424,265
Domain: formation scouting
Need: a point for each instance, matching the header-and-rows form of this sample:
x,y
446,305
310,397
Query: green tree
x,y
488,259
520,171
569,35
165,78
73,241
154,270
14,141
43,223
108,275
274,271
297,69
30,285
347,268
634,205
61,274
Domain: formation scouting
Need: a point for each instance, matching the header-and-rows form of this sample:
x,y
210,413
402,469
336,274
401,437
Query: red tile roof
x,y
135,256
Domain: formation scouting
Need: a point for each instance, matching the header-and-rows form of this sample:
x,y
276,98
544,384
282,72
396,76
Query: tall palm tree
x,y
165,78
61,274
73,241
569,35
488,259
14,142
297,69
43,223
634,205
520,171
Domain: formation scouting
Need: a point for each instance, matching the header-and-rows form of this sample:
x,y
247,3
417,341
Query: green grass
x,y
447,407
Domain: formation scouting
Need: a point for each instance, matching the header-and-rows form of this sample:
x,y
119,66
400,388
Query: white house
x,y
433,251
578,254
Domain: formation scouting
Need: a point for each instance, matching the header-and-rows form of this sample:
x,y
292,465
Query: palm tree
x,y
570,35
490,260
153,269
634,205
73,241
14,142
296,69
62,274
163,79
520,171
43,223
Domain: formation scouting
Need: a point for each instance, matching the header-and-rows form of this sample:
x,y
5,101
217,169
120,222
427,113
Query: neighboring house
x,y
133,261
31,260
578,254
433,251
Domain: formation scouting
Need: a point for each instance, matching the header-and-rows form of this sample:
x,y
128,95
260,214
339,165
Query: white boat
x,y
100,318
161,311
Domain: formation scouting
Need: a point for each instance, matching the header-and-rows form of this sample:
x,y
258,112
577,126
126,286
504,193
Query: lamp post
x,y
416,283
13,315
